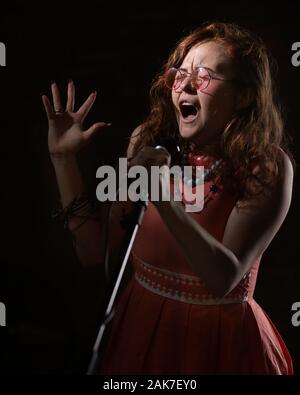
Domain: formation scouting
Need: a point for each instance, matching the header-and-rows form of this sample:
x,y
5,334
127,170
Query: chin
x,y
189,133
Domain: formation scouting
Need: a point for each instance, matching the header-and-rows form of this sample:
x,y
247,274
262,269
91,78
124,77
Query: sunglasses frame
x,y
190,75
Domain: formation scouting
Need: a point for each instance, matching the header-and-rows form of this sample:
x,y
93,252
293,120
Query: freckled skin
x,y
217,102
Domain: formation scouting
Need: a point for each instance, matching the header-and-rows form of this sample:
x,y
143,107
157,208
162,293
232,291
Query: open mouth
x,y
188,110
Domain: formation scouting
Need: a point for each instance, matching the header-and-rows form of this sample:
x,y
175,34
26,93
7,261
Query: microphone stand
x,y
141,207
170,146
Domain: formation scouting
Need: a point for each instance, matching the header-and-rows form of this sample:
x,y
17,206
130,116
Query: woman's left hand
x,y
148,157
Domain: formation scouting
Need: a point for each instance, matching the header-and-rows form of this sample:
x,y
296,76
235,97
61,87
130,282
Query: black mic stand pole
x,y
142,206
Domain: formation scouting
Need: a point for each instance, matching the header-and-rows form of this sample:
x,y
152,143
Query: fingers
x,y
48,107
89,133
159,155
150,156
87,105
57,104
56,98
71,96
165,155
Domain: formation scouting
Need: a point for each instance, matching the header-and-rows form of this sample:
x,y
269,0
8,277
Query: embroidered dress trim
x,y
182,287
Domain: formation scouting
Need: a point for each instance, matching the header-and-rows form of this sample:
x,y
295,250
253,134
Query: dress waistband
x,y
182,287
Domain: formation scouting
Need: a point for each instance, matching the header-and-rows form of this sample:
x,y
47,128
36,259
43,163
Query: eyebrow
x,y
199,65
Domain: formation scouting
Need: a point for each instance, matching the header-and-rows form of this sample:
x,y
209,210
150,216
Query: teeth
x,y
186,103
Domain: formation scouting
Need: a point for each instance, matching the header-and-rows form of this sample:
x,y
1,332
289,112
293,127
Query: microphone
x,y
170,145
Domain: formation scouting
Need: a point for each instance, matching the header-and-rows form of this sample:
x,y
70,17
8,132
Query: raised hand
x,y
65,134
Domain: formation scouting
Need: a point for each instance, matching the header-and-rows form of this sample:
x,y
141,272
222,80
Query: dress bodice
x,y
159,260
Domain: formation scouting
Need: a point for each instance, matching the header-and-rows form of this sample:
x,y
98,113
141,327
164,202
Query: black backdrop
x,y
117,47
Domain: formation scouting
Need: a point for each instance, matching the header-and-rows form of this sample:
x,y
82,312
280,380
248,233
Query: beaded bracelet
x,y
81,207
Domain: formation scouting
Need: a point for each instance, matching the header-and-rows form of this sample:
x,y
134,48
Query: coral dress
x,y
168,322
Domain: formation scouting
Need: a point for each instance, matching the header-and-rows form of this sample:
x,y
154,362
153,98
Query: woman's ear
x,y
244,99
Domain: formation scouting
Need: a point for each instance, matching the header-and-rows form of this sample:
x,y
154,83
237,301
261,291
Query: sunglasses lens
x,y
202,79
172,78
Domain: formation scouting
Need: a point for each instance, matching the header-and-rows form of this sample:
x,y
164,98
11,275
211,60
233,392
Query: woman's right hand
x,y
65,134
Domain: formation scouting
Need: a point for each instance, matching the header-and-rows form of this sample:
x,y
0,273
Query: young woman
x,y
189,307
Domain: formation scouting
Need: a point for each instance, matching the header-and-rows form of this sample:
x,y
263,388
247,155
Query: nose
x,y
188,86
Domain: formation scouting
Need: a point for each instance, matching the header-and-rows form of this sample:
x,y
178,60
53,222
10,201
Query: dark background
x,y
116,48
